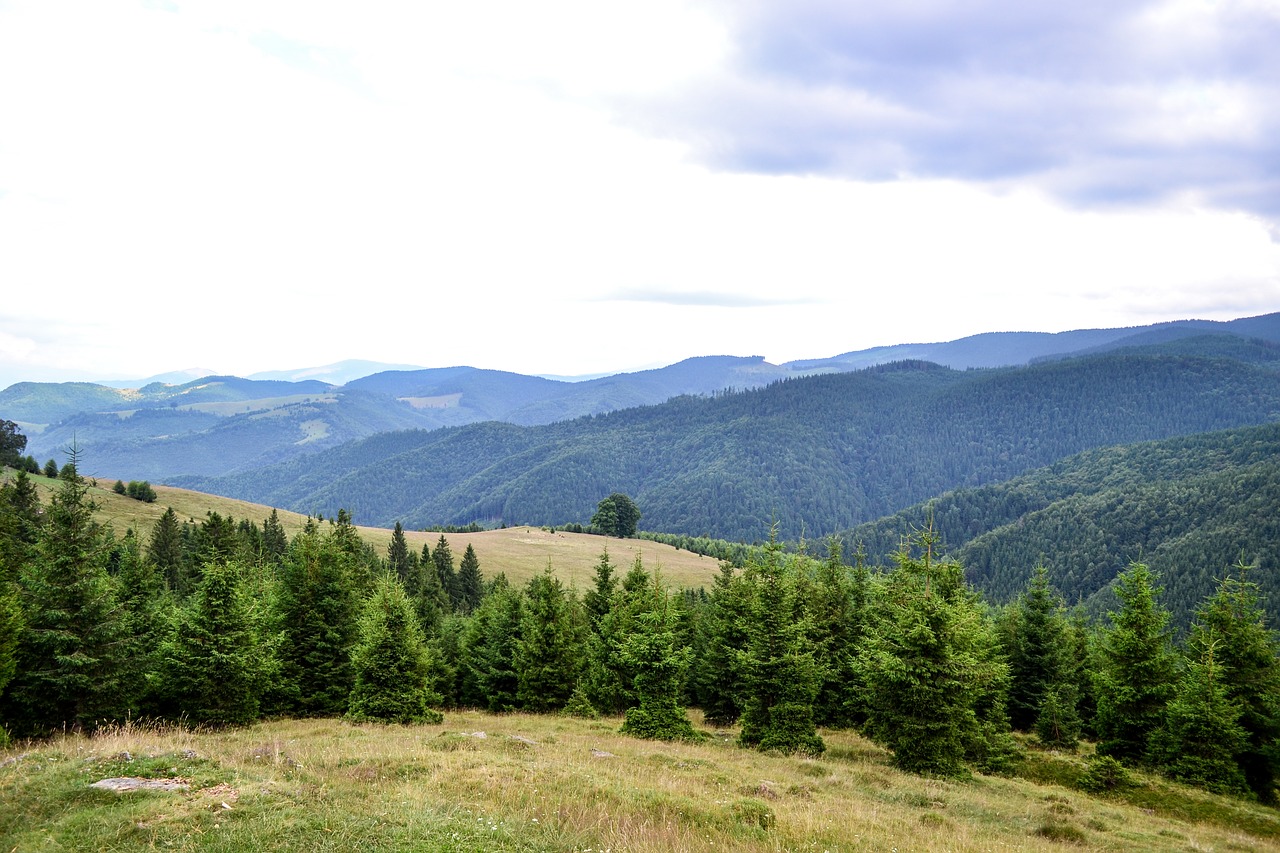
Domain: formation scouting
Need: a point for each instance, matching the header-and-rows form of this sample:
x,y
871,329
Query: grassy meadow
x,y
535,783
520,552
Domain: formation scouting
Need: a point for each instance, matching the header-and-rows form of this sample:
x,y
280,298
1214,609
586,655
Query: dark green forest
x,y
221,623
815,455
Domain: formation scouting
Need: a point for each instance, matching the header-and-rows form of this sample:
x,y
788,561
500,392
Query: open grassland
x,y
519,552
533,783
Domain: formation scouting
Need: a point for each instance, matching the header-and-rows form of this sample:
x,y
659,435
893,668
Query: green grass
x,y
329,785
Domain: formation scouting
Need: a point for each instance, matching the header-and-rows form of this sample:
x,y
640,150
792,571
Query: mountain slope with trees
x,y
816,455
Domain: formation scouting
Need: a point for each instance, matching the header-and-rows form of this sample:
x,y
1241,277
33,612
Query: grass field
x,y
535,783
520,552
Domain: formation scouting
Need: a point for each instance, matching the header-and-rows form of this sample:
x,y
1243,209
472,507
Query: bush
x,y
1104,774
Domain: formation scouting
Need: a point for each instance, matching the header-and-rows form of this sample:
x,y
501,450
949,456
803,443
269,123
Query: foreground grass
x,y
537,783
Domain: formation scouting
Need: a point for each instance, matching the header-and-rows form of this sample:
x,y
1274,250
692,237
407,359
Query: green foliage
x,y
470,581
1104,774
70,668
398,561
616,515
718,683
488,675
780,677
1247,655
1135,674
12,443
140,490
652,651
442,558
548,651
318,609
392,666
1202,735
213,670
932,668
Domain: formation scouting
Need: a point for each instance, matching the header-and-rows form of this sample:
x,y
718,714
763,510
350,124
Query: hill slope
x,y
817,454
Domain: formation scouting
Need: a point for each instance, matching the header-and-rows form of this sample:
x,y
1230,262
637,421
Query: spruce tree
x,y
599,599
442,556
1036,646
780,677
214,667
398,555
834,606
165,550
70,670
659,662
392,666
1135,675
547,652
931,669
1201,734
609,677
718,674
470,581
318,611
488,676
275,543
1247,654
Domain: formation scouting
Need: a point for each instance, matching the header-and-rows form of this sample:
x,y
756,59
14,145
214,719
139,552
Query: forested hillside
x,y
817,454
1189,507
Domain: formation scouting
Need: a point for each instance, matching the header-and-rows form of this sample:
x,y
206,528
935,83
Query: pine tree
x,y
718,675
213,669
488,676
470,581
609,676
1135,678
599,599
1201,734
442,556
165,550
1247,654
73,647
1036,647
659,662
318,609
398,555
780,677
547,652
931,668
275,543
834,606
392,666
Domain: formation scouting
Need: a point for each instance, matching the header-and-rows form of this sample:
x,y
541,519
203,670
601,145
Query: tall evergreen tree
x,y
609,680
780,677
165,549
1036,647
398,555
470,581
547,653
275,543
599,599
659,661
1201,734
1247,654
392,665
318,610
213,668
442,556
835,607
1135,675
73,648
930,665
718,675
489,677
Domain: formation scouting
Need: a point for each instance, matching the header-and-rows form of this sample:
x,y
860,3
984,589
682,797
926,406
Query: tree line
x,y
224,623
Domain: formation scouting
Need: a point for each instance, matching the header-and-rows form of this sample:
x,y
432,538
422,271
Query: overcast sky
x,y
586,186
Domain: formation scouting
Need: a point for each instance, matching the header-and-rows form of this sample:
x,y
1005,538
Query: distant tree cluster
x,y
139,490
219,622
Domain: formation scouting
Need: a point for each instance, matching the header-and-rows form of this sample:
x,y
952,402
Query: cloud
x,y
1094,102
703,298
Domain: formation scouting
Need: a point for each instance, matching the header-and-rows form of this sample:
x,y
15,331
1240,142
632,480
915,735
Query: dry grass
x,y
520,552
329,785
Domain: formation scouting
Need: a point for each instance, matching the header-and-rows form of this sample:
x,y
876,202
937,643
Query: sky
x,y
587,186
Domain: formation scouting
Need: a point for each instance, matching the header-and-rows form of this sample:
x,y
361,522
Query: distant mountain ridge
x,y
218,425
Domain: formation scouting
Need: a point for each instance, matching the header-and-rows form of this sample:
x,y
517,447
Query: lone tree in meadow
x,y
616,515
